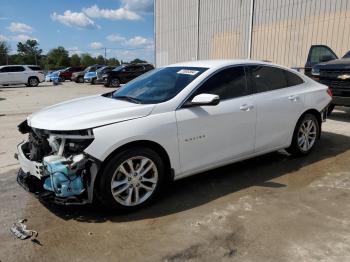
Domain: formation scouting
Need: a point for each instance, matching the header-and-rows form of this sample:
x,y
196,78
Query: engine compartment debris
x,y
54,165
19,230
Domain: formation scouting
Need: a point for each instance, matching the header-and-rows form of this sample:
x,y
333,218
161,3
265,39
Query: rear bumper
x,y
341,101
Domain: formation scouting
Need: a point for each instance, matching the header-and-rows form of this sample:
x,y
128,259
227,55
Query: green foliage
x,y
100,60
29,52
57,58
75,60
113,62
4,52
137,61
87,60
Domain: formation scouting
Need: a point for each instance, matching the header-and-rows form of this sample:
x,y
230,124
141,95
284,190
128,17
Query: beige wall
x,y
283,30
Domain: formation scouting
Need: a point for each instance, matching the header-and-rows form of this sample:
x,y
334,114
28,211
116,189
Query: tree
x,y
4,52
100,60
29,51
113,62
87,60
58,58
75,60
137,61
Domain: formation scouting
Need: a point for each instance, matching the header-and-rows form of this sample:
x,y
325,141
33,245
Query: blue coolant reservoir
x,y
61,180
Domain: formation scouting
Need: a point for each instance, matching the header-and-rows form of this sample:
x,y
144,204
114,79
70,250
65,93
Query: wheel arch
x,y
139,143
318,116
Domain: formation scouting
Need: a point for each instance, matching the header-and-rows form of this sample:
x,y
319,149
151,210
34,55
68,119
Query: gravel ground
x,y
270,208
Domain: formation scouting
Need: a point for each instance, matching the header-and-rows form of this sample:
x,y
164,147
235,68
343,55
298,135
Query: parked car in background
x,y
30,75
125,146
125,73
90,77
96,76
78,77
52,75
331,71
66,74
102,71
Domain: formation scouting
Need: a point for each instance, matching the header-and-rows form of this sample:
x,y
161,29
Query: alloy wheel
x,y
33,82
134,181
307,135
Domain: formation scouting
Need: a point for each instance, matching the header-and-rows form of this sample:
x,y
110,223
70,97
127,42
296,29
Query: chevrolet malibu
x,y
124,147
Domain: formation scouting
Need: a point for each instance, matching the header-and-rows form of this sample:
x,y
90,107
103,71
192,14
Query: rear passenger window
x,y
266,78
228,83
35,68
293,79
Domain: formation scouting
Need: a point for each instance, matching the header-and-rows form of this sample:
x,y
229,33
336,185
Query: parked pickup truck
x,y
324,66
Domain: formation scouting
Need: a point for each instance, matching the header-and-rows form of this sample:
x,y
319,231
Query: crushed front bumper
x,y
31,177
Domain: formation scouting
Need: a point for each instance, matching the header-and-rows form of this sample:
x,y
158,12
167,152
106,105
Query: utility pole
x,y
105,55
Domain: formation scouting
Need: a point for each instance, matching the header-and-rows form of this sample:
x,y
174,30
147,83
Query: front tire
x,y
80,80
114,82
131,179
306,134
33,82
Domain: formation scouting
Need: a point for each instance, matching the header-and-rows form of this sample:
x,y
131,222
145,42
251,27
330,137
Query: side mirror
x,y
326,58
205,100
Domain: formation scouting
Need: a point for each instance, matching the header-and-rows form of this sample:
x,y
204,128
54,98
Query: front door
x,y
210,135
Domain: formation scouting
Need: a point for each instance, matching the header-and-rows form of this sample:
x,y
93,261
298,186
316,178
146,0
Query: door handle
x,y
293,97
246,107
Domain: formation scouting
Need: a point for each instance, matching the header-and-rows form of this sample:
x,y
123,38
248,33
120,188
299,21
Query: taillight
x,y
329,92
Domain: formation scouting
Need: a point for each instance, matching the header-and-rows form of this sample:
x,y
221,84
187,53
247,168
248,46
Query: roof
x,y
218,63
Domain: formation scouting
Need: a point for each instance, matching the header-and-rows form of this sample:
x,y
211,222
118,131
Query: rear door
x,y
210,135
279,102
318,54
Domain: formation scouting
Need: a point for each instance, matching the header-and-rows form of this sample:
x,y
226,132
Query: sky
x,y
124,27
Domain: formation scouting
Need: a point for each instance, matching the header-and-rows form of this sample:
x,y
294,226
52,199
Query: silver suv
x,y
30,75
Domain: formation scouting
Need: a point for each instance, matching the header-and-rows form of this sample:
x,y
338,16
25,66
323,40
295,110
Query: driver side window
x,y
228,83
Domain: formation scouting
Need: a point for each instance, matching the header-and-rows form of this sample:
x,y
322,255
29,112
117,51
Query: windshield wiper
x,y
128,98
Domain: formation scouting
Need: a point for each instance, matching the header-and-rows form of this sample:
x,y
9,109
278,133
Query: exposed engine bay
x,y
54,165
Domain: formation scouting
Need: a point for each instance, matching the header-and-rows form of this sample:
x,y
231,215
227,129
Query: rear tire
x,y
93,81
33,82
80,80
306,134
132,179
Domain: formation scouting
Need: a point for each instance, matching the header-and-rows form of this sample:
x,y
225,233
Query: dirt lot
x,y
271,208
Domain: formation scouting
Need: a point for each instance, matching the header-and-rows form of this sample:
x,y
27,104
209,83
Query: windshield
x,y
158,85
347,55
118,68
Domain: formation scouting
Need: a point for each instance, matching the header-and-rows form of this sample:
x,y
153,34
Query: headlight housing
x,y
315,71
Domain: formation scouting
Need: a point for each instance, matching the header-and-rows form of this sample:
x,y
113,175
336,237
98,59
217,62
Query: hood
x,y
343,63
90,74
87,112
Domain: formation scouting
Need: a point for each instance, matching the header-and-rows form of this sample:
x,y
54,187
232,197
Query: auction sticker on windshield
x,y
188,72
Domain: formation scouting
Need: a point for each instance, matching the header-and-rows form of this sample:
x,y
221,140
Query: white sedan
x,y
125,146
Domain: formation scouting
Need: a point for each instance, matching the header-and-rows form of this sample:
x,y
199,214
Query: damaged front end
x,y
54,166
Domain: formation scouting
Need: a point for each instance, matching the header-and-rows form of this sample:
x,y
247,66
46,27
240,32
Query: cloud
x,y
20,28
111,14
74,19
144,6
23,38
96,45
74,50
115,38
139,41
136,41
4,38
